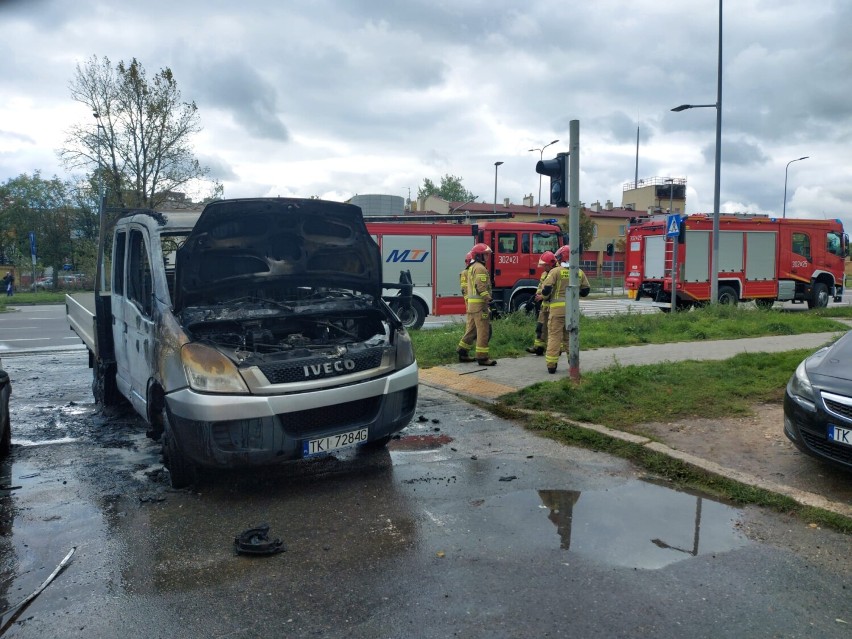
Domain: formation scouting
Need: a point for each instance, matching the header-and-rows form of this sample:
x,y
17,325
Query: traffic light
x,y
557,170
610,249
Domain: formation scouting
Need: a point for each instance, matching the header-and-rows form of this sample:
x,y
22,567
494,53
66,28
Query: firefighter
x,y
478,300
547,261
468,340
555,290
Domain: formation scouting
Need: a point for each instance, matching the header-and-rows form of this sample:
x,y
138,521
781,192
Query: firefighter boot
x,y
464,357
487,362
551,368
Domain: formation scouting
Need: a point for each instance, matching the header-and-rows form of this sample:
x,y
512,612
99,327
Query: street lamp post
x,y
496,164
785,182
714,258
541,158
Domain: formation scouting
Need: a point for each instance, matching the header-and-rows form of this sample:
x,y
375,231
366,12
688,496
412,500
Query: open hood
x,y
241,246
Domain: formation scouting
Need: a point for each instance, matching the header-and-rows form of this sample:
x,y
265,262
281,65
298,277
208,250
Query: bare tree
x,y
139,140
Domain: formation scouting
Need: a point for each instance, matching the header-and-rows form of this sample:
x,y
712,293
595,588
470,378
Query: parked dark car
x,y
818,404
5,424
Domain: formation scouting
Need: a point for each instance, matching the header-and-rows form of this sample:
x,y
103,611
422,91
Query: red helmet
x,y
563,252
468,258
480,250
547,259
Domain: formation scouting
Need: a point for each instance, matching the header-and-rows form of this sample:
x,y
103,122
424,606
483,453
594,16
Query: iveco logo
x,y
329,368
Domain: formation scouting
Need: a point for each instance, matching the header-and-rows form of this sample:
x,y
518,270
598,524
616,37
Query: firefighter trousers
x,y
468,340
482,323
557,336
541,333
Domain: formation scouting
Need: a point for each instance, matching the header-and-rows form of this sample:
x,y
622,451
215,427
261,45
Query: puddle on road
x,y
635,525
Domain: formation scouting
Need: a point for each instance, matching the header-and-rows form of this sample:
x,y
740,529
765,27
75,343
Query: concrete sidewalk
x,y
489,383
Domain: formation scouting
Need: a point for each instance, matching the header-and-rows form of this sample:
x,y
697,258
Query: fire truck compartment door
x,y
697,263
655,257
760,258
451,249
409,252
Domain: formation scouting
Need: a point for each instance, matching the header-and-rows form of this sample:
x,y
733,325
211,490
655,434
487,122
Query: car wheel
x,y
182,472
727,295
104,387
819,297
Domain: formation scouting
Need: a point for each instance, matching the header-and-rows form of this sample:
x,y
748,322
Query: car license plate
x,y
840,435
334,442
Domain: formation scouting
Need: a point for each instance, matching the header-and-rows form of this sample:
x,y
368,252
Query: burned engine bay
x,y
253,331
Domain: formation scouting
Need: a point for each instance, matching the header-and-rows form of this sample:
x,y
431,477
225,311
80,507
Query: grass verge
x,y
631,395
513,333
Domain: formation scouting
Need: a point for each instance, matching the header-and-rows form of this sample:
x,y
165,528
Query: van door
x,y
119,327
138,314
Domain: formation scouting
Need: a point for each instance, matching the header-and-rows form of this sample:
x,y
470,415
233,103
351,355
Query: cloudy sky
x,y
340,97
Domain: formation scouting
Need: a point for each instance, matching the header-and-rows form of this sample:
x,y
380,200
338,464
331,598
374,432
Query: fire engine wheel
x,y
520,301
727,295
181,471
819,298
412,317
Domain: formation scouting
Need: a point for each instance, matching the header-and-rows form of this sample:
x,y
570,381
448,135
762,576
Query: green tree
x,y
450,189
33,204
140,143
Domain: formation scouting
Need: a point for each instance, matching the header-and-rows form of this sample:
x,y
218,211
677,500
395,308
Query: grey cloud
x,y
234,85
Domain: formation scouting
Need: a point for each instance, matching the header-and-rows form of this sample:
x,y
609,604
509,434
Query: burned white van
x,y
252,333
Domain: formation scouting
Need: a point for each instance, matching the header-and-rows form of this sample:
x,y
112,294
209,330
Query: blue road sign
x,y
672,225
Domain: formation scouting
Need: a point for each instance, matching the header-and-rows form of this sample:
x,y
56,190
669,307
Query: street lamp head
x,y
554,142
498,163
682,107
805,157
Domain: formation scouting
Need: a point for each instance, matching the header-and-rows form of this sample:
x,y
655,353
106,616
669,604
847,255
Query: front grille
x,y
322,367
837,452
837,405
349,415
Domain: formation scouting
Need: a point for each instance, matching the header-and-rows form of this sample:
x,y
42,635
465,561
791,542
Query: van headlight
x,y
404,349
800,385
209,371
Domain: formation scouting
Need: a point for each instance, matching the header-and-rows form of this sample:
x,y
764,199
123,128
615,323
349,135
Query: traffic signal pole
x,y
572,316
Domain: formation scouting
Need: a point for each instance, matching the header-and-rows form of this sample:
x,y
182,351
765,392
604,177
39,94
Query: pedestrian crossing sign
x,y
672,225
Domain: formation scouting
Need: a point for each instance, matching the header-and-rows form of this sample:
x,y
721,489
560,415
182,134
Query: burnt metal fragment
x,y
255,541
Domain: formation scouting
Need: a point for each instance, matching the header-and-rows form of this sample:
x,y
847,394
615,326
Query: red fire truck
x,y
434,254
761,258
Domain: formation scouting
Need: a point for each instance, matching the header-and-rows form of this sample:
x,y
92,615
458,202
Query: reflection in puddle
x,y
640,525
414,443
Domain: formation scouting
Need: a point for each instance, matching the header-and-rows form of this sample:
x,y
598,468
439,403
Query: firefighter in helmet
x,y
547,261
478,300
468,340
555,290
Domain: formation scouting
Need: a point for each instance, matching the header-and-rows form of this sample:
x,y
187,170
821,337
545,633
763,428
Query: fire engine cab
x,y
760,258
434,254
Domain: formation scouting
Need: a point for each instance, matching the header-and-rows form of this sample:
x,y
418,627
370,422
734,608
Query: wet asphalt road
x,y
467,526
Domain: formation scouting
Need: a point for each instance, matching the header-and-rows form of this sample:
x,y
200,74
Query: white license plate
x,y
334,442
840,435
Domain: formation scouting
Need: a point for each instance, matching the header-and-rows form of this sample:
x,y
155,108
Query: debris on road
x,y
255,541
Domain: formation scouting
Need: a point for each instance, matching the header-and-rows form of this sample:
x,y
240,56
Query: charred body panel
x,y
268,327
